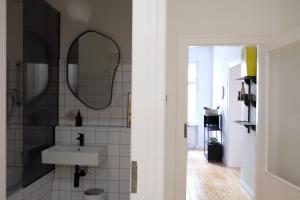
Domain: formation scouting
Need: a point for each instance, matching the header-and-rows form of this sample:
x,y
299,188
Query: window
x,y
192,92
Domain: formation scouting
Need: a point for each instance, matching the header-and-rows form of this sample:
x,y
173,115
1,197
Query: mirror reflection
x,y
36,79
92,62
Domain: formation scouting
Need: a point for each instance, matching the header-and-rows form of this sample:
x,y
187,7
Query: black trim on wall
x,y
72,61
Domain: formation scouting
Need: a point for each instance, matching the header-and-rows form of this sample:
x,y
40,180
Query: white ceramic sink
x,y
74,155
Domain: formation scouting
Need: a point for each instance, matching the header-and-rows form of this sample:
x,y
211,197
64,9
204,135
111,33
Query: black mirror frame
x,y
112,83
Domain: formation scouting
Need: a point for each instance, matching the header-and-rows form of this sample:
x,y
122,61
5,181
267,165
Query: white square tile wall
x,y
14,132
113,176
114,115
39,190
107,126
100,127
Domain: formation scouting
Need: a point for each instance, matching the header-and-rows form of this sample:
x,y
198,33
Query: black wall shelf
x,y
247,124
248,79
249,100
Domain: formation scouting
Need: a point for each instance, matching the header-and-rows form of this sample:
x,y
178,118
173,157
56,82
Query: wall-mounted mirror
x,y
91,66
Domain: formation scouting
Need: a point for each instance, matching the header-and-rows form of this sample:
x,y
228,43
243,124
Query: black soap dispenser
x,y
78,119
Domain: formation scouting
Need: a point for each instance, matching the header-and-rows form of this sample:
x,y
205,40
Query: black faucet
x,y
78,173
81,139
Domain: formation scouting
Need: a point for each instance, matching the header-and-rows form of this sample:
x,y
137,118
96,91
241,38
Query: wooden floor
x,y
212,181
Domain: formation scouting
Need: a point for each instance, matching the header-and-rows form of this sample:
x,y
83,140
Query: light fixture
x,y
79,10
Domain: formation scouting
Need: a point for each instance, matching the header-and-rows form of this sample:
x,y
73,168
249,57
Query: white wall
x,y
290,14
201,17
203,56
233,147
110,17
222,56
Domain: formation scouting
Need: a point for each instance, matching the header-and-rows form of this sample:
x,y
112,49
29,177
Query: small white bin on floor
x,y
94,194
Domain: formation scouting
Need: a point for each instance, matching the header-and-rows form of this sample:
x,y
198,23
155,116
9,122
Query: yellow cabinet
x,y
249,61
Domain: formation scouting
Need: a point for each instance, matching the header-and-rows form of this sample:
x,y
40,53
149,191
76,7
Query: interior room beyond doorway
x,y
212,83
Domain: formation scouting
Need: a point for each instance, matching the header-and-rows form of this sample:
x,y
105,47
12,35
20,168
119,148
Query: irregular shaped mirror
x,y
91,66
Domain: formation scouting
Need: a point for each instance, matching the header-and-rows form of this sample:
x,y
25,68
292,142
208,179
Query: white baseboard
x,y
195,147
249,190
233,165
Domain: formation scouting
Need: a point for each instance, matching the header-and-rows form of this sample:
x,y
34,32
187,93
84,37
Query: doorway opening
x,y
221,152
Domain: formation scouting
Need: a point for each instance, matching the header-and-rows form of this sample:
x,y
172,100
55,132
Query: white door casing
x,y
148,97
180,150
270,186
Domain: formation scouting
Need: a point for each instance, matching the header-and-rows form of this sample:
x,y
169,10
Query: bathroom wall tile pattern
x,y
113,176
39,190
14,133
100,127
114,115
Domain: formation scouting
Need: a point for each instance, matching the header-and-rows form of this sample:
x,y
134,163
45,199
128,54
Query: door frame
x,y
3,99
233,64
179,148
148,97
267,183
